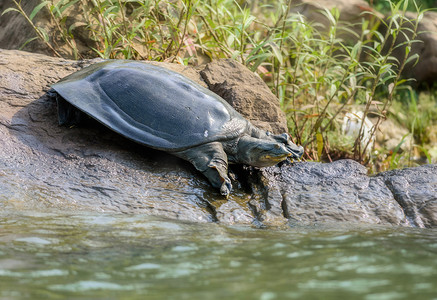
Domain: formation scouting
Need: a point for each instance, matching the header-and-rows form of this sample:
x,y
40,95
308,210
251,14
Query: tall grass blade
x,y
9,10
37,9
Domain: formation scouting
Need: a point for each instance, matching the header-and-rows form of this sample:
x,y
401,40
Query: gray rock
x,y
415,189
341,191
310,193
46,167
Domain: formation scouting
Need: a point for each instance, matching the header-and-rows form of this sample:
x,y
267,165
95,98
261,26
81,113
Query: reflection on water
x,y
99,256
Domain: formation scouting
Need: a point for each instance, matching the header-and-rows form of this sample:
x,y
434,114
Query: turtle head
x,y
263,152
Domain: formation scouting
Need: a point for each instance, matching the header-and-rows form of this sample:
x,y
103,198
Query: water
x,y
102,256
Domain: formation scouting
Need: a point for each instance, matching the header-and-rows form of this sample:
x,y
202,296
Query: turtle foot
x,y
212,161
226,188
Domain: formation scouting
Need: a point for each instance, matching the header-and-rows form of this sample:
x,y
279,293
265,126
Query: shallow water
x,y
103,256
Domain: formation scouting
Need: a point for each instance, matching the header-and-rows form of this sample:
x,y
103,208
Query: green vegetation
x,y
317,73
384,5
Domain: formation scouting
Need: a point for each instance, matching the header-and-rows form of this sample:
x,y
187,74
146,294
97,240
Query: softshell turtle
x,y
164,110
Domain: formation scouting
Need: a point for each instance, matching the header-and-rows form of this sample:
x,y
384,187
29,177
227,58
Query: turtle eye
x,y
277,146
268,133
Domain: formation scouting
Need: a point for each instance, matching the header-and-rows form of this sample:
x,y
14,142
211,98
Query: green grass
x,y
317,76
384,5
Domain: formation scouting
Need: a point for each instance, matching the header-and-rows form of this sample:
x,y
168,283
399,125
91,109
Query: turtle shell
x,y
151,105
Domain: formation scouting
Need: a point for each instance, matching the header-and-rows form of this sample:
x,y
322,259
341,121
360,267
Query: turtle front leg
x,y
212,161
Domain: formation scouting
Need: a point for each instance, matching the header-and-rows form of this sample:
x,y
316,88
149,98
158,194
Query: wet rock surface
x,y
415,189
45,167
341,191
308,193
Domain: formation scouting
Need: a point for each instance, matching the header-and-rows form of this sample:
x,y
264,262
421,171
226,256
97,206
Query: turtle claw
x,y
226,188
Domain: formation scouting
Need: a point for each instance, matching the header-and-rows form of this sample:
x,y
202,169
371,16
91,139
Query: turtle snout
x,y
282,150
296,152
